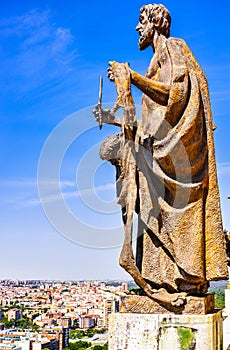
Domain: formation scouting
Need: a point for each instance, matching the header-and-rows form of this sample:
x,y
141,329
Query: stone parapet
x,y
165,331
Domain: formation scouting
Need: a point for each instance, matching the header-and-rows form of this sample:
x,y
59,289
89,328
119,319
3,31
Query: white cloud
x,y
30,199
36,50
74,193
25,24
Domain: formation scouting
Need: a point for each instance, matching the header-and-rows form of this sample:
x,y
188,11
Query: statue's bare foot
x,y
161,295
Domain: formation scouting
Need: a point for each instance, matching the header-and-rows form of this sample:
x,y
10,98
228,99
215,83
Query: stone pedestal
x,y
143,305
132,331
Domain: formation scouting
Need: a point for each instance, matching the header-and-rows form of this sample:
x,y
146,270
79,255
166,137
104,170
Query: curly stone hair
x,y
159,16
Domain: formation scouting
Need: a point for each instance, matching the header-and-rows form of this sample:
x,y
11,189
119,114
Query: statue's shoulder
x,y
176,43
179,52
182,57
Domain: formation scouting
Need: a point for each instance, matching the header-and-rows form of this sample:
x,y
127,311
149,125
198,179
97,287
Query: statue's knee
x,y
125,261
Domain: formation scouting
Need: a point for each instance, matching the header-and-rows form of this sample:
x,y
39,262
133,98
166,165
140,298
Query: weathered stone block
x,y
165,332
141,304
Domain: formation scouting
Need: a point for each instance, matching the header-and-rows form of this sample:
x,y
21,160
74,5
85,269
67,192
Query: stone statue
x,y
166,170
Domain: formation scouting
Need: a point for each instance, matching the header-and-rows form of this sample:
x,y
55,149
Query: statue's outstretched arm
x,y
157,91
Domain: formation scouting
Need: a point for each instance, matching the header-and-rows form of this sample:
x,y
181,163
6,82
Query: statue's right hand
x,y
111,71
103,115
118,70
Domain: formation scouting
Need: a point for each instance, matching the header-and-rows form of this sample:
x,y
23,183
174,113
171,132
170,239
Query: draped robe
x,y
180,242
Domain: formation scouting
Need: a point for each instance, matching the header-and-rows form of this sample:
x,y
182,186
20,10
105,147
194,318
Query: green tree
x,y
100,330
72,334
80,334
9,324
90,332
100,347
219,298
79,345
35,327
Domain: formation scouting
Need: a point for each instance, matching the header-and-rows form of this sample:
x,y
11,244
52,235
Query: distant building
x,y
26,341
65,322
110,306
65,337
5,302
125,286
15,314
60,334
18,340
85,322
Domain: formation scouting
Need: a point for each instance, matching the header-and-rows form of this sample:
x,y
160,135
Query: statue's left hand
x,y
103,115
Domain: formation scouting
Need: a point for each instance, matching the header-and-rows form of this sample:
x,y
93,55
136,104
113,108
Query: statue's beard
x,y
146,38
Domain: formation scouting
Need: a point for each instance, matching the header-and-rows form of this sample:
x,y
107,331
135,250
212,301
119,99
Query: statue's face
x,y
145,30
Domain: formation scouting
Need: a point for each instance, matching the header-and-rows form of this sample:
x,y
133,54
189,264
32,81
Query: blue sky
x,y
52,54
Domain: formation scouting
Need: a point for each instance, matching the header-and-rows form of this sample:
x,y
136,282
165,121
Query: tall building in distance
x,y
110,306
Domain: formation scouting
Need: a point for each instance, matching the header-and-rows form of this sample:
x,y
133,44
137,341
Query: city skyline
x,y
51,58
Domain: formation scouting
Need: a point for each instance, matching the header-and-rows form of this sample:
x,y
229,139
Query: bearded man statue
x,y
180,245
